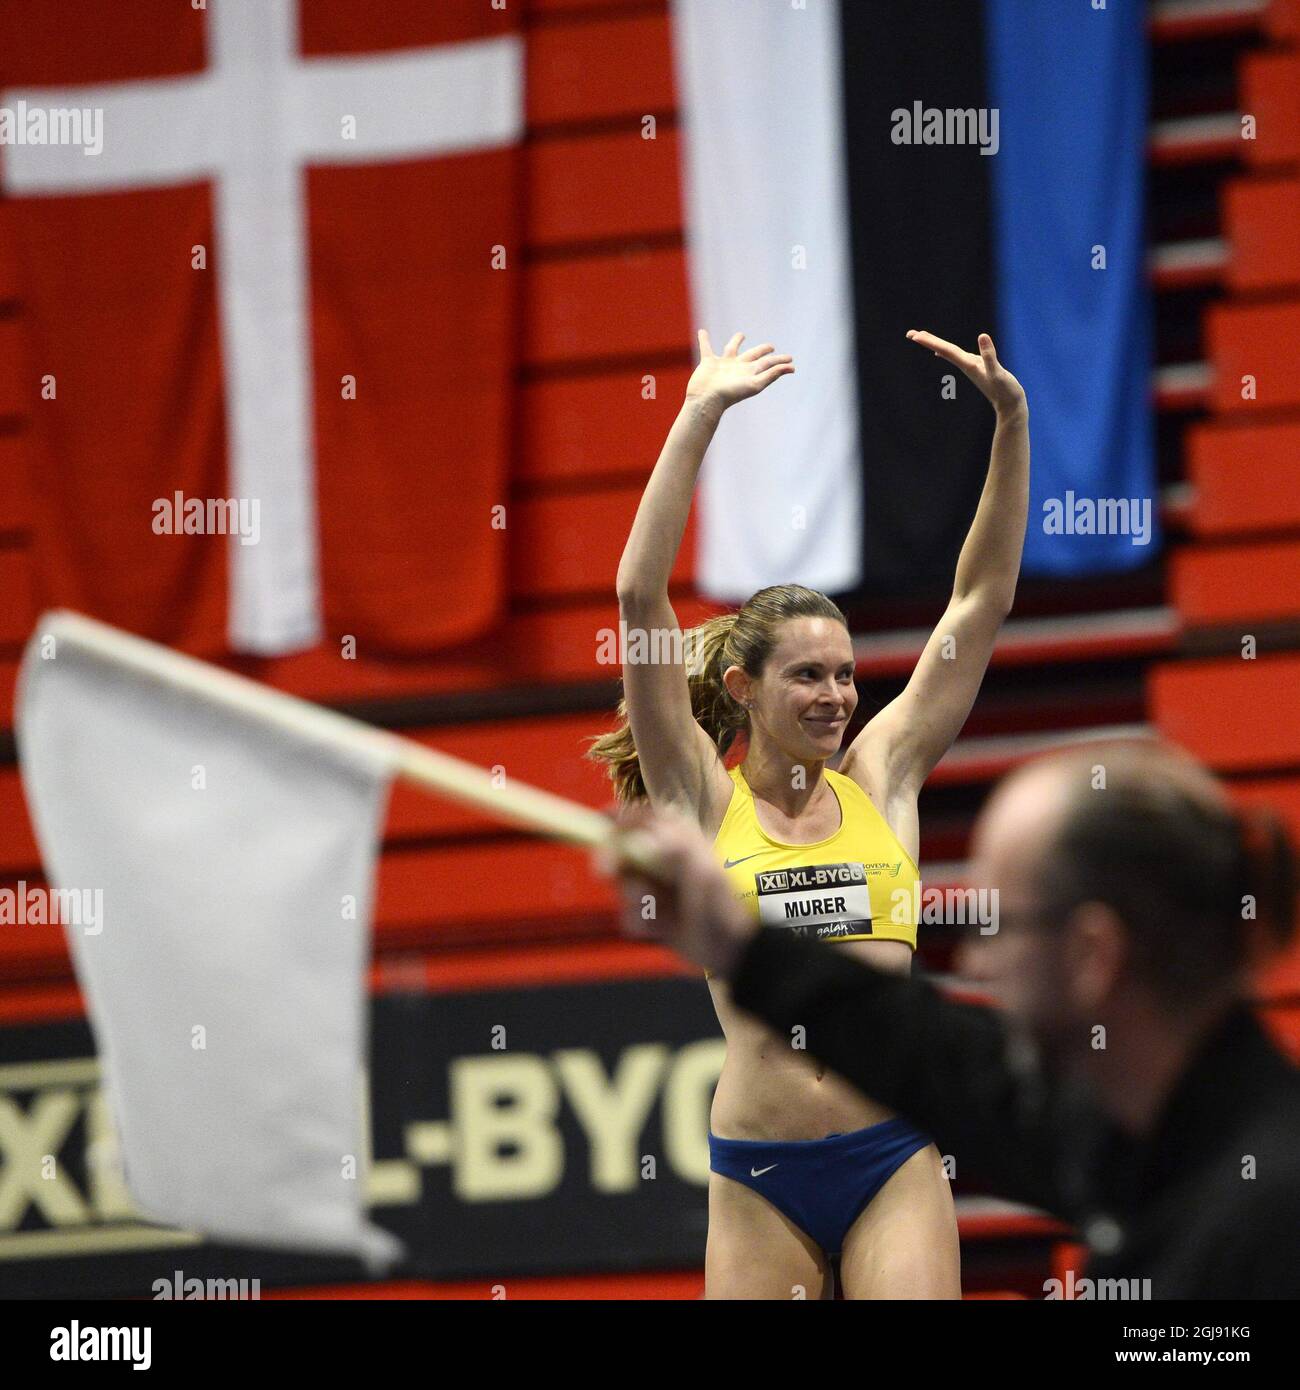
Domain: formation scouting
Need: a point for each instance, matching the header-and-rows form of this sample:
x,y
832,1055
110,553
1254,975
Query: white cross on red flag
x,y
280,282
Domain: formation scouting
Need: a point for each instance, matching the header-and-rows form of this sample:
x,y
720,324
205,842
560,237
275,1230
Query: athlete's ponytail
x,y
745,639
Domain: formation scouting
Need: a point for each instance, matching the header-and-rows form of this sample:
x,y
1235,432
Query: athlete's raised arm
x,y
678,761
900,746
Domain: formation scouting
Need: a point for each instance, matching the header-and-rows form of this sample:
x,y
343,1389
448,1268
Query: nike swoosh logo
x,y
731,864
758,1172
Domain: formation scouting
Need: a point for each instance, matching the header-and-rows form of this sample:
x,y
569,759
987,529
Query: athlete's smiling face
x,y
805,697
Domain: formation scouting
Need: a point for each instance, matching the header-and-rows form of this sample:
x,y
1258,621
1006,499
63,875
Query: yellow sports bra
x,y
858,884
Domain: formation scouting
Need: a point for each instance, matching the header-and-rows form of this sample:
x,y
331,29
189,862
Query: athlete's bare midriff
x,y
770,1087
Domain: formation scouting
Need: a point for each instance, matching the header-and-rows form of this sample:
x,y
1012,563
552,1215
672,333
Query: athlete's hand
x,y
688,904
735,376
1004,392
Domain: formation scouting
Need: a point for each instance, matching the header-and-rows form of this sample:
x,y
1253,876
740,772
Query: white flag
x,y
225,980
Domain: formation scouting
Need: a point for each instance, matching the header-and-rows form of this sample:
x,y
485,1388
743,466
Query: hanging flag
x,y
264,251
854,170
224,974
1071,266
768,249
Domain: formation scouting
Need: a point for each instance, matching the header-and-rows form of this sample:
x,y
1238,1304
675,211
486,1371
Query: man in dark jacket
x,y
1124,1083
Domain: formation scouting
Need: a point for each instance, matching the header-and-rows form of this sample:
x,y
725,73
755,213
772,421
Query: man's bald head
x,y
1068,777
1140,828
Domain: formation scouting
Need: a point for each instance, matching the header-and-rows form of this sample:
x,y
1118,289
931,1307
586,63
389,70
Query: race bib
x,y
819,900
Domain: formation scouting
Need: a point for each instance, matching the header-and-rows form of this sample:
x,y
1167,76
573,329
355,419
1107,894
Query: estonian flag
x,y
860,168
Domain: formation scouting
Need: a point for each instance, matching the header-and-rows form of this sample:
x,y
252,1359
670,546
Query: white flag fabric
x,y
766,198
225,979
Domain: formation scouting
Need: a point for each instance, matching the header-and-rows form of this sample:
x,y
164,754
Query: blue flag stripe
x,y
1070,85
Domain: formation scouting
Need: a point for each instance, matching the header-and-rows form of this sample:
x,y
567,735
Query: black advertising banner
x,y
515,1132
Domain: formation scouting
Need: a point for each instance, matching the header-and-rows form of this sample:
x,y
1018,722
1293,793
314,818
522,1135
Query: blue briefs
x,y
822,1185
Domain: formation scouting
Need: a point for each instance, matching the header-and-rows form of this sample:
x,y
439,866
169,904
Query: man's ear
x,y
1095,953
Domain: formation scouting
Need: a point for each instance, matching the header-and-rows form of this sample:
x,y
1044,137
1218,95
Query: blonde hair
x,y
746,639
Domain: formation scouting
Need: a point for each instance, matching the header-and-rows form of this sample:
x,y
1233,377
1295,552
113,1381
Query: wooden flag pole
x,y
517,803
